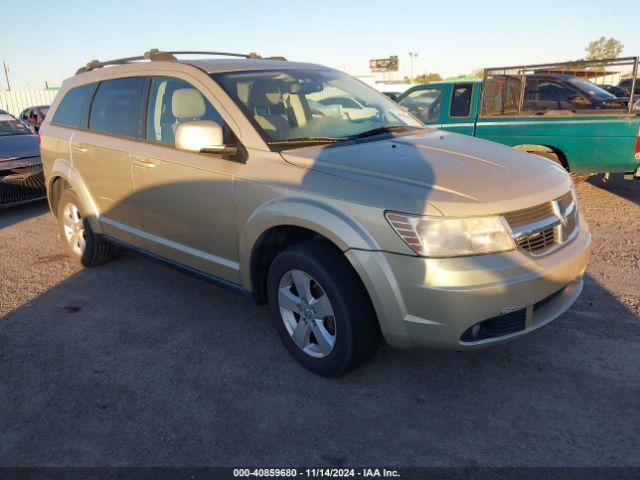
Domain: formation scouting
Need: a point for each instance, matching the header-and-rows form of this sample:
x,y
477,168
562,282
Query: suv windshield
x,y
591,89
313,106
11,126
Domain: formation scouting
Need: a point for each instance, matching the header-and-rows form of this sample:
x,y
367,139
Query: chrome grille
x,y
530,215
538,241
21,185
543,228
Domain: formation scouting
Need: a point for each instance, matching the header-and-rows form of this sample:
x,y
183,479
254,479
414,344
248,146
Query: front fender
x,y
316,215
63,169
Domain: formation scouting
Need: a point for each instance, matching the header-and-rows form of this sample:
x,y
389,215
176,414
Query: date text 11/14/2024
x,y
316,473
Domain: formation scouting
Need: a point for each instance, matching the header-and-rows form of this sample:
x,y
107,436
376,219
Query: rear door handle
x,y
76,147
142,161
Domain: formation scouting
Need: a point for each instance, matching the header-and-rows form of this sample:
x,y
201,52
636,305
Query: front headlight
x,y
452,237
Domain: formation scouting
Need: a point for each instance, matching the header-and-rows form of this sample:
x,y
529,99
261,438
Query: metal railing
x,y
15,101
512,80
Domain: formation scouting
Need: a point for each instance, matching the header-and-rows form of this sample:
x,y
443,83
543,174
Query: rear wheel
x,y
79,240
321,309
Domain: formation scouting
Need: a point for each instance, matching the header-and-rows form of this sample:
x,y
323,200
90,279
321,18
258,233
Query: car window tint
x,y
11,126
74,106
461,100
116,106
173,101
553,91
423,103
544,94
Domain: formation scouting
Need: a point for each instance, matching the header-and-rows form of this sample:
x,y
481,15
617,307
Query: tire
x,y
576,177
79,240
341,310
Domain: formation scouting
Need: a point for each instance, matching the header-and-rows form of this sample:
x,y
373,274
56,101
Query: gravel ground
x,y
134,363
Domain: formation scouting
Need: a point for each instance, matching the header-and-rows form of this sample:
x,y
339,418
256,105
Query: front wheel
x,y
321,309
576,177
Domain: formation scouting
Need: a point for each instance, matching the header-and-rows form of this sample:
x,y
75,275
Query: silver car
x,y
351,225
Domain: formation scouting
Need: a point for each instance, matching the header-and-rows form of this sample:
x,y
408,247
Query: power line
x,y
6,75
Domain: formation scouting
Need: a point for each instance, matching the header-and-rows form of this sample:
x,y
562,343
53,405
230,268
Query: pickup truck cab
x,y
569,120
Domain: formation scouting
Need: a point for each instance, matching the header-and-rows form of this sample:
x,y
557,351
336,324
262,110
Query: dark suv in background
x,y
625,85
566,92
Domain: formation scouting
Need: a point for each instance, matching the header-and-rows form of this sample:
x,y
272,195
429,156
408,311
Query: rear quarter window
x,y
74,106
461,100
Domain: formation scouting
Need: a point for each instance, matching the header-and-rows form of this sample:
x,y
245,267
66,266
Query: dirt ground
x,y
134,363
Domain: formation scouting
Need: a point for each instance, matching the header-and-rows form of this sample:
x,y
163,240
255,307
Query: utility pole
x,y
6,75
412,56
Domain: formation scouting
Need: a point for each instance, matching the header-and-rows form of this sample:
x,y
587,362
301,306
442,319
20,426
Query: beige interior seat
x,y
298,110
268,109
187,104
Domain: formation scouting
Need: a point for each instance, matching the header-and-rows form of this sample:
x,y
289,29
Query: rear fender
x,y
62,168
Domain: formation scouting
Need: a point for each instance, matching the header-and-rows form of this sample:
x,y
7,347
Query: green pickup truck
x,y
557,115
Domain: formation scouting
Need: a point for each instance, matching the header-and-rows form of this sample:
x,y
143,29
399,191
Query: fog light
x,y
475,330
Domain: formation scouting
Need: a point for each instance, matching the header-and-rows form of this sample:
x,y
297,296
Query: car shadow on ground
x,y
627,189
134,363
12,215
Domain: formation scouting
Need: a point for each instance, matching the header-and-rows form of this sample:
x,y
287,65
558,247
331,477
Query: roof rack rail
x,y
157,55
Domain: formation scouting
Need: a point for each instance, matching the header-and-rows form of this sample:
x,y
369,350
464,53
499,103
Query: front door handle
x,y
142,161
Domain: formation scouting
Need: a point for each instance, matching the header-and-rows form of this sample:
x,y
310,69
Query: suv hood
x,y
18,146
457,174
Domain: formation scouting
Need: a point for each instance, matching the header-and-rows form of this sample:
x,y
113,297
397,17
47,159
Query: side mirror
x,y
578,101
202,136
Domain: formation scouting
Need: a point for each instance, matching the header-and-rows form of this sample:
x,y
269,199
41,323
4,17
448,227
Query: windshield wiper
x,y
307,140
386,129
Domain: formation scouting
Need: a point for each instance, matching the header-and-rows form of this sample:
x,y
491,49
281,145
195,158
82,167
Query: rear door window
x,y
117,106
73,108
461,100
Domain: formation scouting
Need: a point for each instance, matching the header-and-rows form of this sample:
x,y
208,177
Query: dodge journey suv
x,y
319,196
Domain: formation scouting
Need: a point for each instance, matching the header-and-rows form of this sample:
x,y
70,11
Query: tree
x,y
428,77
478,72
604,48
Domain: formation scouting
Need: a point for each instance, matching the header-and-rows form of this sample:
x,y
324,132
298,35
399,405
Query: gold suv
x,y
318,195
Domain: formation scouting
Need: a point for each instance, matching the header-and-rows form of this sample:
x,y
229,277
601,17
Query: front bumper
x,y
21,181
433,302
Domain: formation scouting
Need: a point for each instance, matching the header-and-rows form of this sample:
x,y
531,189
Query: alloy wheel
x,y
307,313
74,228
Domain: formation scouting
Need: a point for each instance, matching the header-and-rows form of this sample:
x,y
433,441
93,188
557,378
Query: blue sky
x,y
48,40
